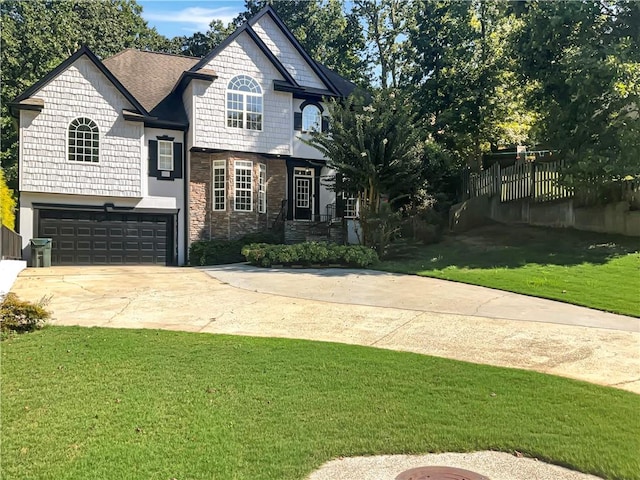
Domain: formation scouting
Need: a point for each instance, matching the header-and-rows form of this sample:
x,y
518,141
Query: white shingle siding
x,y
282,48
80,91
243,57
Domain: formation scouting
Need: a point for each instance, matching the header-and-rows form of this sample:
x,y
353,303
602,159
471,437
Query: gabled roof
x,y
153,82
84,50
152,78
341,84
149,76
268,10
258,41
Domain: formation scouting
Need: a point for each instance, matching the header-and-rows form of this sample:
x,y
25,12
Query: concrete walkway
x,y
359,307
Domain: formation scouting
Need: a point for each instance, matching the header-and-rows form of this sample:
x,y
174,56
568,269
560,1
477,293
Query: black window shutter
x,y
153,158
297,121
177,160
325,124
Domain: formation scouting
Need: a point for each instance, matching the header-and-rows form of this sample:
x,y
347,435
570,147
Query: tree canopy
x,y
582,60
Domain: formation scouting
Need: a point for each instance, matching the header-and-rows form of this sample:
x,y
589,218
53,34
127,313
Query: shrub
x,y
423,231
7,204
22,316
309,253
216,252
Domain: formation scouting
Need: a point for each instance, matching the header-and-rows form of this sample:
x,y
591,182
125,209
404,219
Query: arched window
x,y
84,140
244,103
311,119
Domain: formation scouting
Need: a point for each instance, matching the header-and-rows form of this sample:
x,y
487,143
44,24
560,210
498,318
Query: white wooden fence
x,y
537,181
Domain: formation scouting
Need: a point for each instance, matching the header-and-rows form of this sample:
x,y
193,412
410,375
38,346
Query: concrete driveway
x,y
396,312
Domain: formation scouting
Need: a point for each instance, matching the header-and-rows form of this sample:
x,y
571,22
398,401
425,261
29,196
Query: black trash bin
x,y
41,252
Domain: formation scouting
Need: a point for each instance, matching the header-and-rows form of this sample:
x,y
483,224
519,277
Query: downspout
x,y
187,176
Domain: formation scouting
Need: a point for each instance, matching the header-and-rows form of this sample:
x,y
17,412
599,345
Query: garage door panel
x,y
99,238
84,245
66,245
49,231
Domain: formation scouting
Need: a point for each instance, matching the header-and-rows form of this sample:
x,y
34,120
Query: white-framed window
x,y
262,189
165,155
84,141
243,193
311,119
244,103
219,185
350,207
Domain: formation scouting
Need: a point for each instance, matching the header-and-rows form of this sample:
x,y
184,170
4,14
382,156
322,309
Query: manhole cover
x,y
439,473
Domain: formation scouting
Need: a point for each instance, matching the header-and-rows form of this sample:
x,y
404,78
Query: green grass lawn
x,y
594,270
83,403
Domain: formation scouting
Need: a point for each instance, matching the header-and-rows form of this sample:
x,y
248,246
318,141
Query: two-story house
x,y
128,160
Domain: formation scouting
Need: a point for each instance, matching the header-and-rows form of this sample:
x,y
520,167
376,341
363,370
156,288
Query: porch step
x,y
298,232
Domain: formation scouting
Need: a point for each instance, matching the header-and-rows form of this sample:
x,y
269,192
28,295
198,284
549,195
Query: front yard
x,y
83,403
594,270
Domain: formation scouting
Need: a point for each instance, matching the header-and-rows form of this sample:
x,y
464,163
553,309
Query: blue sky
x,y
184,17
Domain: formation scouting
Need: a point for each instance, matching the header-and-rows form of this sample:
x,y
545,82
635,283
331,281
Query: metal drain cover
x,y
439,473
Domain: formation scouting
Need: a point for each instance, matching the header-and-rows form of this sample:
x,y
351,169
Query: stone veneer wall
x,y
206,224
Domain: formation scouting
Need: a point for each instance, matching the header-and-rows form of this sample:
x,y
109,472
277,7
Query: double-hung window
x,y
262,189
165,155
243,186
219,185
244,103
350,207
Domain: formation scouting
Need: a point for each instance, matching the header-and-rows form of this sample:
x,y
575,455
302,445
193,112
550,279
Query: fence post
x,y
532,193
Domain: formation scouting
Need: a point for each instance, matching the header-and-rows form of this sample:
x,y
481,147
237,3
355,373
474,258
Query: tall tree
x,y
327,32
386,24
200,44
37,35
463,79
374,147
585,59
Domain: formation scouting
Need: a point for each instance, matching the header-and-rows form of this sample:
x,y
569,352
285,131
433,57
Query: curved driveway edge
x,y
191,300
411,292
493,465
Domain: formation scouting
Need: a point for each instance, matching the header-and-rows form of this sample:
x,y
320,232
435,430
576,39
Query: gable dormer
x,y
225,116
280,42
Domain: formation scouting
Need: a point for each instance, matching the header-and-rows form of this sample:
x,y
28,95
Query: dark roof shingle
x,y
150,77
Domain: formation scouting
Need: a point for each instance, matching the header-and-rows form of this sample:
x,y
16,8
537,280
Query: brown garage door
x,y
106,238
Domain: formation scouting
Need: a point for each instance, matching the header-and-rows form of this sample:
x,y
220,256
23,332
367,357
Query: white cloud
x,y
194,19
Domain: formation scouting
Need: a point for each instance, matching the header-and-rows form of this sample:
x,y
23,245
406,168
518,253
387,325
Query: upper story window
x,y
244,103
165,155
311,119
84,140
